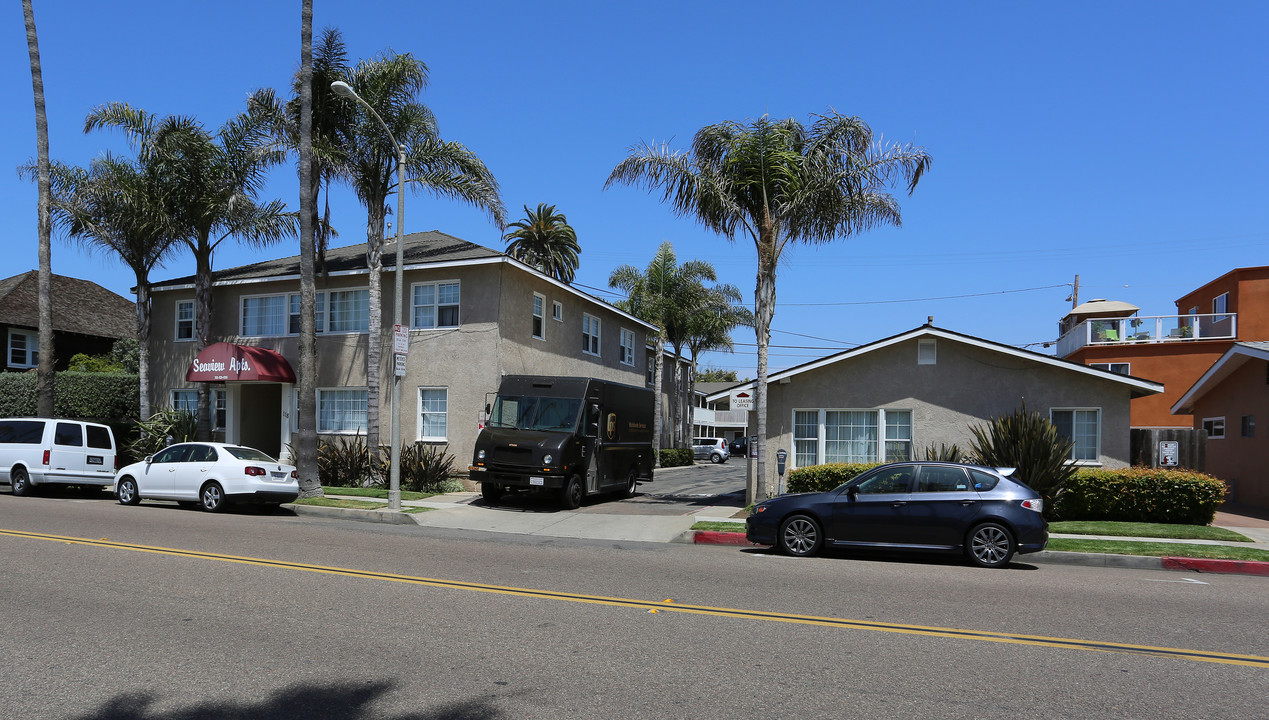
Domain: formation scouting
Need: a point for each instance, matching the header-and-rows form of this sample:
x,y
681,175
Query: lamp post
x,y
341,88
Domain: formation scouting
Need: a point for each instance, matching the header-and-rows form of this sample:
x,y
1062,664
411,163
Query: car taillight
x,y
253,470
295,474
46,457
1037,505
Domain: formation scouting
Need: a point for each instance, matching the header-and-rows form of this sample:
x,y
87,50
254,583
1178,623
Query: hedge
x,y
676,457
820,478
1140,494
103,396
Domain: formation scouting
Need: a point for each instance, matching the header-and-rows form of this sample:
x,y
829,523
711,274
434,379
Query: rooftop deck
x,y
1148,329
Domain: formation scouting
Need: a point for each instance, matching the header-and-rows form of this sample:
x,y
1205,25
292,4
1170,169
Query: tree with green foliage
x,y
778,182
1029,442
711,375
710,322
546,241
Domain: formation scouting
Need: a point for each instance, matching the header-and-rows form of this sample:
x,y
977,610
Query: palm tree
x,y
545,240
778,182
709,327
214,198
657,295
310,182
44,369
390,84
120,207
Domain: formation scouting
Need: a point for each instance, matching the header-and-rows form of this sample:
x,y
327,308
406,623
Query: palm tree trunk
x,y
764,311
143,344
203,303
44,371
374,346
306,444
658,375
676,422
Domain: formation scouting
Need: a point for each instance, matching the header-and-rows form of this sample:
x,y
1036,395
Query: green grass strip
x,y
720,526
381,493
1122,547
341,503
1150,530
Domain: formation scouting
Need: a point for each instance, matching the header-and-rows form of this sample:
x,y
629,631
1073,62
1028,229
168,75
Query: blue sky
x,y
1124,142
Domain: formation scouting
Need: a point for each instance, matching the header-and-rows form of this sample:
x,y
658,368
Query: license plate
x,y
537,481
278,475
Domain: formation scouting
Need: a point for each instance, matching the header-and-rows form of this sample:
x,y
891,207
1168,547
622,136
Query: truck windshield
x,y
535,413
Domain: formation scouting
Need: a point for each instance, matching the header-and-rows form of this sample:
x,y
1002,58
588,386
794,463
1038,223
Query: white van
x,y
38,451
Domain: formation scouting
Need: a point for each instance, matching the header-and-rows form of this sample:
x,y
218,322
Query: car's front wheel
x,y
20,482
990,545
800,535
491,492
212,497
128,493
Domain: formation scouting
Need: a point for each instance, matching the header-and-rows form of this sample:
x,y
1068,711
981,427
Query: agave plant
x,y
161,429
1026,440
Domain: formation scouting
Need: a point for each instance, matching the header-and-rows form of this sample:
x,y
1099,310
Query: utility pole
x,y
1075,293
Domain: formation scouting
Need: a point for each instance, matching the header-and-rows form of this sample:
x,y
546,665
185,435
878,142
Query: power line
x,y
945,297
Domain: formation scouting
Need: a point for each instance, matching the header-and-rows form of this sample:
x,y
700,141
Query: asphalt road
x,y
156,612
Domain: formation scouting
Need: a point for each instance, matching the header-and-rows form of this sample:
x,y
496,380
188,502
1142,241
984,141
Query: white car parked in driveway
x,y
210,475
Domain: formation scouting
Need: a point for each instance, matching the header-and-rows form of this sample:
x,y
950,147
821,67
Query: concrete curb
x,y
1229,567
388,517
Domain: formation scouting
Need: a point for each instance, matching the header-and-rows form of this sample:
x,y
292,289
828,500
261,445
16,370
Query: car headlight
x,y
546,460
480,454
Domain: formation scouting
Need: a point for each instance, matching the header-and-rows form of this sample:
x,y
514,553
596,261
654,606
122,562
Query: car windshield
x,y
246,453
528,412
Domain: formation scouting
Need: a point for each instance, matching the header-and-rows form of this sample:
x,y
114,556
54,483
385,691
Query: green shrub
x,y
1026,440
820,478
81,395
676,457
345,462
425,468
944,453
152,434
17,394
1140,494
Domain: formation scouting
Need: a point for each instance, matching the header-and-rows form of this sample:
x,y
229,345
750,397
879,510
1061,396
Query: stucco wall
x,y
1241,461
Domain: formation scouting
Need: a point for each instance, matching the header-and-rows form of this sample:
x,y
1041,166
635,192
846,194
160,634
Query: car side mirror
x,y
852,491
149,459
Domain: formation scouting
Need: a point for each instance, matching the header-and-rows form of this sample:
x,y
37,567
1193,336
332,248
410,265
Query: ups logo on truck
x,y
612,425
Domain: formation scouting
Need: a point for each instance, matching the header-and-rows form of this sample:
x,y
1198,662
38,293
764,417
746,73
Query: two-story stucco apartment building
x,y
474,315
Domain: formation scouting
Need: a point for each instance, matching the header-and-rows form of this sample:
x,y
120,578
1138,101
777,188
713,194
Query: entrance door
x,y
260,417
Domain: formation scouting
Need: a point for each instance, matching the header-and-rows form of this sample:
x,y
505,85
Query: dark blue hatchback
x,y
926,506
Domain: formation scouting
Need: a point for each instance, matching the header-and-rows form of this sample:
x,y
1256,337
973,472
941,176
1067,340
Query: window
x,y
850,436
539,316
218,400
935,478
263,315
898,435
275,315
557,311
1249,426
435,305
341,410
888,481
433,411
319,314
24,349
349,310
68,434
590,334
927,352
855,436
1117,368
1083,427
185,400
652,371
627,347
184,319
1215,428
99,437
1220,305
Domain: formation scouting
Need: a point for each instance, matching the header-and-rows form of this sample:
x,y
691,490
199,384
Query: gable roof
x,y
79,306
431,249
1235,357
1138,386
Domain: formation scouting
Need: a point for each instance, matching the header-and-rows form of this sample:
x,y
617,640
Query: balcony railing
x,y
1148,329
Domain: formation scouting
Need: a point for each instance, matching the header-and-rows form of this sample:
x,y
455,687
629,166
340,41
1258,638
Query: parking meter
x,y
781,456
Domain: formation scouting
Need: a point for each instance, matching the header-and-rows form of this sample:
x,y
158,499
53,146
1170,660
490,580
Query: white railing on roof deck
x,y
1148,329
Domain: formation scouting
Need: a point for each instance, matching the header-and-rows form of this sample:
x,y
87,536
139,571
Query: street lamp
x,y
341,88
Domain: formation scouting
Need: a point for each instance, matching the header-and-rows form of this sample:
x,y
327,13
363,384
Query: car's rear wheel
x,y
20,482
490,491
212,497
716,458
128,492
990,545
572,493
800,535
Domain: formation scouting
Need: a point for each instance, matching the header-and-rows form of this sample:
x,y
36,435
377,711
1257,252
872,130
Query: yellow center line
x,y
666,606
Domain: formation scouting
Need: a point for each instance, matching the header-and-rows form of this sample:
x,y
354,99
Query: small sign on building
x,y
400,339
1169,453
399,369
742,400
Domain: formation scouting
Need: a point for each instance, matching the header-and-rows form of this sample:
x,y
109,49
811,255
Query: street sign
x,y
400,339
741,400
399,370
1169,453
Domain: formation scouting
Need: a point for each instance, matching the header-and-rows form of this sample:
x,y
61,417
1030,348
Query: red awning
x,y
239,363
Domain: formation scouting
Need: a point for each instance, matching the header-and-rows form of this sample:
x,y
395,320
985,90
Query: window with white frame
x,y
435,305
854,436
1082,426
433,413
276,315
1215,428
348,310
263,315
627,347
1117,368
590,334
185,401
539,316
24,349
557,311
1220,304
184,320
319,314
219,399
341,410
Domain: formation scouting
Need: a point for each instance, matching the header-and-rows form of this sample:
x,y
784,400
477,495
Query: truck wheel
x,y
572,493
490,492
20,482
632,483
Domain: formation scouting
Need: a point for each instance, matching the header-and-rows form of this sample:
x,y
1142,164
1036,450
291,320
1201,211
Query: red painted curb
x,y
1236,567
714,537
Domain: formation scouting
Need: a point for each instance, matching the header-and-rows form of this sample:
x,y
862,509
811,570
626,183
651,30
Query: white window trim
x,y
1217,299
598,335
821,437
419,415
223,394
627,350
193,322
927,352
1096,461
540,318
1110,367
1224,427
318,411
557,311
8,349
436,304
323,327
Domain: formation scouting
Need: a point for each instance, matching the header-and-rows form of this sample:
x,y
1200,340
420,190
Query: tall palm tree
x,y
120,207
709,327
545,240
44,368
390,84
310,181
215,196
778,182
657,295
